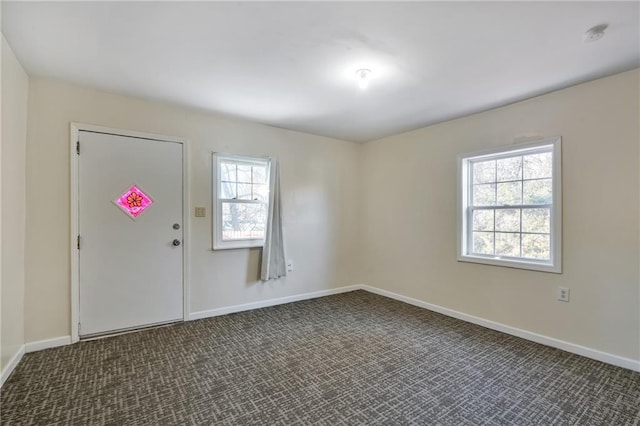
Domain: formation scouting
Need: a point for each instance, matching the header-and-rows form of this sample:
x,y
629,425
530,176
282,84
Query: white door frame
x,y
75,198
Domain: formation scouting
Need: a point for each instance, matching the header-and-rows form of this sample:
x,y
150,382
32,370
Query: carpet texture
x,y
353,358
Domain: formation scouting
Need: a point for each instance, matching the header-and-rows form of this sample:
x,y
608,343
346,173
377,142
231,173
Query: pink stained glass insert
x,y
134,201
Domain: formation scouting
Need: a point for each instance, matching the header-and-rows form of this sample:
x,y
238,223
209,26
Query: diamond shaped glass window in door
x,y
133,202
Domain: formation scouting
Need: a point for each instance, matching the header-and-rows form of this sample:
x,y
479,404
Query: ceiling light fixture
x,y
363,77
594,34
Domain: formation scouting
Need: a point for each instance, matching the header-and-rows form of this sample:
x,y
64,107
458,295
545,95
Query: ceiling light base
x,y
363,75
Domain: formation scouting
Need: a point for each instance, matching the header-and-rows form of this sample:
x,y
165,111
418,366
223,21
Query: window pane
x,y
538,191
261,192
484,171
509,193
244,173
483,242
538,165
536,220
509,169
228,190
244,191
228,172
484,195
508,200
535,246
483,220
243,221
508,220
259,174
508,244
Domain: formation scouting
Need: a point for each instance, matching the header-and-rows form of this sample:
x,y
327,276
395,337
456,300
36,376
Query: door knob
x,y
176,243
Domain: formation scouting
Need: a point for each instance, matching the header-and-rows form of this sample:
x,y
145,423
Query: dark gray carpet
x,y
354,358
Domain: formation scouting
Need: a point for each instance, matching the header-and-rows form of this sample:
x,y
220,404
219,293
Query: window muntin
x,y
510,206
241,198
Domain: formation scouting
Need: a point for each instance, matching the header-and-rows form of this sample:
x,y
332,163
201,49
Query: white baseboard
x,y
608,358
13,362
48,343
271,302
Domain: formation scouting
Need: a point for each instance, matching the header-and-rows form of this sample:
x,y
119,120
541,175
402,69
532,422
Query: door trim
x,y
74,134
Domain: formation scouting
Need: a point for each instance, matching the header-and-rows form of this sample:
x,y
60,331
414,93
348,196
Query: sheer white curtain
x,y
274,264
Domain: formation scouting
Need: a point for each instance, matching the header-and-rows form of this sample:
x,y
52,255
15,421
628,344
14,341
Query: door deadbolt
x,y
176,226
176,243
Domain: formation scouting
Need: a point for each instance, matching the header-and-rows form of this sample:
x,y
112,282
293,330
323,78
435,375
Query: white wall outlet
x,y
563,294
289,265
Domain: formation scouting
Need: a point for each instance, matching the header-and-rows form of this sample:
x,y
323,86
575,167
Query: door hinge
x,y
78,242
78,147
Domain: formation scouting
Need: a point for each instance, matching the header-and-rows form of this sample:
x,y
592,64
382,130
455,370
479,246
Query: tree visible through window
x,y
511,207
241,200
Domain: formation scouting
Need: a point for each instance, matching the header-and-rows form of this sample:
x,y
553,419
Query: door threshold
x,y
96,336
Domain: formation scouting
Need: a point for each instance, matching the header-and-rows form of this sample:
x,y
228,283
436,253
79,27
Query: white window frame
x,y
218,242
464,199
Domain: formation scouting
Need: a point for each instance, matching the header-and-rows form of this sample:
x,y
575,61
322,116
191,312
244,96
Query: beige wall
x,y
319,178
382,213
409,217
15,86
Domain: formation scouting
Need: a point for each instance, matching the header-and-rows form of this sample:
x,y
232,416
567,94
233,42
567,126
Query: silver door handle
x,y
176,243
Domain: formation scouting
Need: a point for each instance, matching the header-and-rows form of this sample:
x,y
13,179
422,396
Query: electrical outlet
x,y
563,294
289,265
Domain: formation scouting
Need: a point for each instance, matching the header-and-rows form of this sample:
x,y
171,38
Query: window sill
x,y
517,264
240,244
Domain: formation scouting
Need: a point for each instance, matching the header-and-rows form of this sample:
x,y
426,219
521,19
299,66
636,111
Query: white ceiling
x,y
293,65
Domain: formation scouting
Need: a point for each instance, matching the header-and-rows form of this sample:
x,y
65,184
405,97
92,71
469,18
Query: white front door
x,y
131,232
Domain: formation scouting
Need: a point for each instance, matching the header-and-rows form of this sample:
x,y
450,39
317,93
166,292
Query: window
x,y
241,201
509,210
